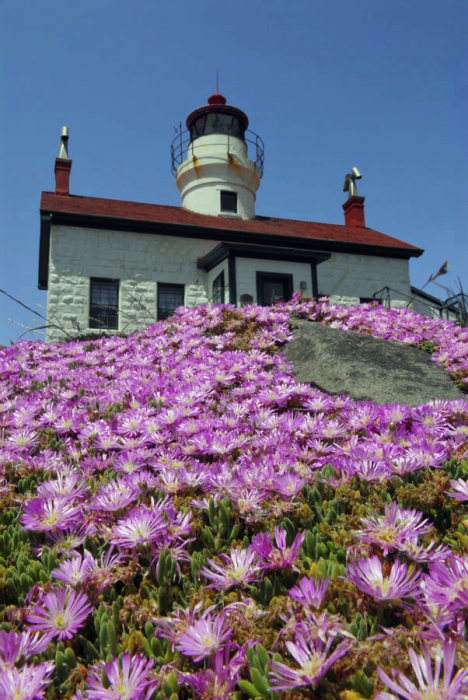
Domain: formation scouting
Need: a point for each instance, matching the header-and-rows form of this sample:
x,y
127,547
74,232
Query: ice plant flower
x,y
15,647
142,527
447,583
61,612
460,490
76,570
278,557
430,684
204,637
218,681
127,679
368,576
26,683
239,568
51,514
310,592
394,529
314,659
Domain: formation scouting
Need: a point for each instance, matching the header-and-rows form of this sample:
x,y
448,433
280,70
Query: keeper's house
x,y
118,266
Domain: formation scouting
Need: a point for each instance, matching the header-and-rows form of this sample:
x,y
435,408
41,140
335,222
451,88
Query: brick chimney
x,y
354,211
63,166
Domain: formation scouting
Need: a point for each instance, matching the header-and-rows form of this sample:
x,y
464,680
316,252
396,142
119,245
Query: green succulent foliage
x,y
362,627
108,628
267,589
65,661
456,469
315,549
154,647
362,684
291,530
13,538
259,684
197,561
221,530
21,577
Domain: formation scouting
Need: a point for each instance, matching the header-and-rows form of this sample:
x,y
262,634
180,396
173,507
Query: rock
x,y
366,368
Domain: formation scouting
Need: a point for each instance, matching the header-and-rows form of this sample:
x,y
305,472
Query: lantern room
x,y
211,162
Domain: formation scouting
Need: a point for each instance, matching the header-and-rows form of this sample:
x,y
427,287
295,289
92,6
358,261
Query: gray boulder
x,y
366,368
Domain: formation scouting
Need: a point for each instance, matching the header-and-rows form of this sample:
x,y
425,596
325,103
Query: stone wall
x,y
346,278
138,260
141,261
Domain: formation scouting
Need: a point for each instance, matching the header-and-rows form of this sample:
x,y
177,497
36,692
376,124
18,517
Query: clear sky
x,y
328,84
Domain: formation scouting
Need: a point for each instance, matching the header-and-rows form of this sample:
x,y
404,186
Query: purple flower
x,y
368,576
430,684
460,490
49,515
447,583
16,647
204,637
27,683
219,681
395,529
239,568
128,679
61,612
76,570
310,593
280,556
314,661
141,528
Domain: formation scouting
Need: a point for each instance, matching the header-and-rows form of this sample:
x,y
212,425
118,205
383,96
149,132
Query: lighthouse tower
x,y
211,163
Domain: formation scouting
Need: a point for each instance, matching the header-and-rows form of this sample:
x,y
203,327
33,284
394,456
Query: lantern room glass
x,y
216,123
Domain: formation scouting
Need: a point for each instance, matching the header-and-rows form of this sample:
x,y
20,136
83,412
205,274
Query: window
x,y
229,201
104,304
170,296
368,300
217,292
273,287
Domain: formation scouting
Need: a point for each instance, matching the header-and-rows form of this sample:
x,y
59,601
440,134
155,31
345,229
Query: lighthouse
x,y
211,163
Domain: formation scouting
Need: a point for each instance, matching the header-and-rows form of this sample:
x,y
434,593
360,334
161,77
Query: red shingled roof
x,y
120,209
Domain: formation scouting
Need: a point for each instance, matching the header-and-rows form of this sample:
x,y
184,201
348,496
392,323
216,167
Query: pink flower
x,y
310,593
62,612
314,661
430,685
239,568
127,679
278,557
204,637
368,576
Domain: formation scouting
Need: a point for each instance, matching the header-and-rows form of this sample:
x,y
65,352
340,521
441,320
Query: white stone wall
x,y
141,261
345,278
138,260
246,278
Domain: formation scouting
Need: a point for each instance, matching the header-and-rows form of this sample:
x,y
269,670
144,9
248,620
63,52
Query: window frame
x,y
166,286
218,288
283,277
103,316
224,207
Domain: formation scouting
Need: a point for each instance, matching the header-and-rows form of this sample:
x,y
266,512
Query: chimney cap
x,y
350,183
63,152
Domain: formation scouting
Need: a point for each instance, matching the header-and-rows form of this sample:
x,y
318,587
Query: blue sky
x,y
328,84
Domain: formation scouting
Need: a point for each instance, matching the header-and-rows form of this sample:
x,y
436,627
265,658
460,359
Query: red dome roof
x,y
216,99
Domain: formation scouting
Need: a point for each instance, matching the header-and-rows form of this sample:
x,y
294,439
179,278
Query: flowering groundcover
x,y
180,518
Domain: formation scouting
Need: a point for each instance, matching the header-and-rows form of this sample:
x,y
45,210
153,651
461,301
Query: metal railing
x,y
182,141
455,308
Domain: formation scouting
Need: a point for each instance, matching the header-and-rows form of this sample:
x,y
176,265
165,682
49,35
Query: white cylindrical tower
x,y
213,171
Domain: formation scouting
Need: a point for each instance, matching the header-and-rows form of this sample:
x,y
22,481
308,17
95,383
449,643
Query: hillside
x,y
181,518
